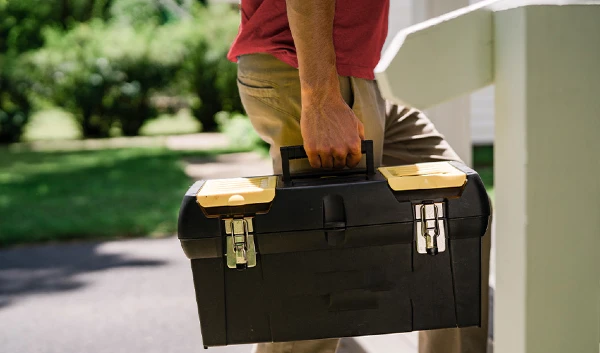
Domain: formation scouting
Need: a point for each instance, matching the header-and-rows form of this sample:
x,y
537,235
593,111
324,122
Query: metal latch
x,y
241,251
431,234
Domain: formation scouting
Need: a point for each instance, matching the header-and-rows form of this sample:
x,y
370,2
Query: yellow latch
x,y
237,191
433,175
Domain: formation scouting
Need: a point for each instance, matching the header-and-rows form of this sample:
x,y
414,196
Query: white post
x,y
544,60
452,118
547,167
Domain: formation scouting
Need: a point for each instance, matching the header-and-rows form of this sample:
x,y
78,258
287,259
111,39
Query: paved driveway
x,y
111,297
125,296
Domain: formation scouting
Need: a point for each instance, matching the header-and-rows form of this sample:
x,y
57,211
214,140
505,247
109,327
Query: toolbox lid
x,y
237,191
423,176
339,206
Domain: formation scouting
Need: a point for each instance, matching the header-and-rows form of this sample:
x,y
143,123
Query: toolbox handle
x,y
297,152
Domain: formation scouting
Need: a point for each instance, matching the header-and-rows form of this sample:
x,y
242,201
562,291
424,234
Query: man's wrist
x,y
319,87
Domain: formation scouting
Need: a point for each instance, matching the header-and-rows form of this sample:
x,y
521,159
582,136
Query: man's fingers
x,y
313,158
339,158
354,154
326,159
361,130
353,159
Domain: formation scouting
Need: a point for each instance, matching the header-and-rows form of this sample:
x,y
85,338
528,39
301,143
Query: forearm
x,y
330,130
311,23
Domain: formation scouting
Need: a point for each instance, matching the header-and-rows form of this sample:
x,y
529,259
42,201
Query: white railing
x,y
544,59
452,118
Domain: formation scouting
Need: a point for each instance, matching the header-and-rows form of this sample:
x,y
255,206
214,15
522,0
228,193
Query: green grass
x,y
90,194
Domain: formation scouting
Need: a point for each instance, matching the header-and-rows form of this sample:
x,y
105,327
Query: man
x,y
305,76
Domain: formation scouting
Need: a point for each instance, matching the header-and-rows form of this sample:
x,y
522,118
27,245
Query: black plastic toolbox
x,y
349,253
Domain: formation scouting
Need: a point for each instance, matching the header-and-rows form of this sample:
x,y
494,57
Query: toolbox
x,y
329,254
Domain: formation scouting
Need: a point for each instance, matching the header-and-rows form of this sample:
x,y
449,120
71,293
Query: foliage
x,y
239,131
15,105
22,21
136,13
104,75
106,61
206,71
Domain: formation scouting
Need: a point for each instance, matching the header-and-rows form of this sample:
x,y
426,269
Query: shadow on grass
x,y
55,268
91,194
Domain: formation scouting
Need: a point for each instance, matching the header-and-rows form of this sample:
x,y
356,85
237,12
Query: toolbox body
x,y
335,256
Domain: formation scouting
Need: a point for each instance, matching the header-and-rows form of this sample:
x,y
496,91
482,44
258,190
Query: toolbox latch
x,y
430,230
241,251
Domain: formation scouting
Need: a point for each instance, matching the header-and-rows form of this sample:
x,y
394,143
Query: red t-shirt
x,y
359,31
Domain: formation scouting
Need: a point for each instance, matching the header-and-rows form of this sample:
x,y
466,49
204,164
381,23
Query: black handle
x,y
297,152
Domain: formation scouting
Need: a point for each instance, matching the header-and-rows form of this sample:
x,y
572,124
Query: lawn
x,y
49,194
90,194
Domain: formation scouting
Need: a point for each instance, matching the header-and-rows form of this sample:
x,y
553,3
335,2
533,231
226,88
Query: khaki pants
x,y
270,92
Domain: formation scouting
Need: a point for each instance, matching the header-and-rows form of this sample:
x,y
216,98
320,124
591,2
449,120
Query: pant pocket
x,y
256,87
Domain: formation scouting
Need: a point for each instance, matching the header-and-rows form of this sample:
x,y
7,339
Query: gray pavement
x,y
228,166
110,297
124,296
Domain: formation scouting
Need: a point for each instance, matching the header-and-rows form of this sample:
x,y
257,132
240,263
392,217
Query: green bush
x,y
13,117
136,13
105,74
240,132
22,21
206,71
15,105
106,61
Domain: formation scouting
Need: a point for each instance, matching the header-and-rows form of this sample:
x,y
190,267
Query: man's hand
x,y
330,130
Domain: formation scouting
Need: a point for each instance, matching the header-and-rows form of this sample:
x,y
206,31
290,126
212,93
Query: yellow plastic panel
x,y
237,191
434,175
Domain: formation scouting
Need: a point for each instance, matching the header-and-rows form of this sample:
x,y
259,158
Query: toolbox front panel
x,y
209,285
246,314
339,293
466,273
302,241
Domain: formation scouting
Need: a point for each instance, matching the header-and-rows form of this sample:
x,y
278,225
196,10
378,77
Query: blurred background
x,y
109,109
76,71
75,75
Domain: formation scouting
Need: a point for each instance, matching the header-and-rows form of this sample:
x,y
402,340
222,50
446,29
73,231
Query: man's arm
x,y
330,130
